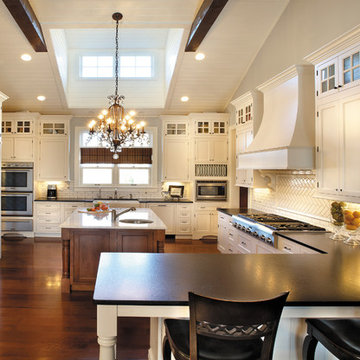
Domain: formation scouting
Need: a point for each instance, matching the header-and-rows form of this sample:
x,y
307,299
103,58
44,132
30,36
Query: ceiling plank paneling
x,y
204,19
25,17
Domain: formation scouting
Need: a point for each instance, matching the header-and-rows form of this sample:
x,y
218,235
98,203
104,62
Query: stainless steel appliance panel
x,y
10,224
211,190
16,178
16,204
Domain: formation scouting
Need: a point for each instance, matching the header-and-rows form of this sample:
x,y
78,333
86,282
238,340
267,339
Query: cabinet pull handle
x,y
335,87
244,243
339,86
286,248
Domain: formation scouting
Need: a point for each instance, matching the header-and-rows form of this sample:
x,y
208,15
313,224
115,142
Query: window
x,y
136,67
136,174
114,174
97,174
97,66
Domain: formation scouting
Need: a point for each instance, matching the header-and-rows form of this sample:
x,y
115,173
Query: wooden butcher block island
x,y
85,235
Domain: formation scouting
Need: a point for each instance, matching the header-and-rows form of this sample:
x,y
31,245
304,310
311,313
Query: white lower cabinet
x,y
206,221
17,148
291,247
49,215
177,217
167,213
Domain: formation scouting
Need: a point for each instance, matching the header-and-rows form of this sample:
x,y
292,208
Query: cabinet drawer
x,y
48,209
184,228
184,212
288,246
48,219
47,228
245,243
186,221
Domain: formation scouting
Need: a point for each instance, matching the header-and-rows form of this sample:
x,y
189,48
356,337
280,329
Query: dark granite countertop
x,y
155,200
236,211
313,280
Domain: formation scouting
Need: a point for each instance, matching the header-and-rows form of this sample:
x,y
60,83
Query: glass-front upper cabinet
x,y
23,127
244,114
176,128
339,73
210,127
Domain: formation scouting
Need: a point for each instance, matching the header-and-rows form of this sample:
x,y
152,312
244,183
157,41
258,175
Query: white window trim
x,y
153,172
154,69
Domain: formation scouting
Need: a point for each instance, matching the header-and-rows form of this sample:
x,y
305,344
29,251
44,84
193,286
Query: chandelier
x,y
115,129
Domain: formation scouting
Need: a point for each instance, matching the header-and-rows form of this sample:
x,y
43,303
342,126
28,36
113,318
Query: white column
x,y
107,331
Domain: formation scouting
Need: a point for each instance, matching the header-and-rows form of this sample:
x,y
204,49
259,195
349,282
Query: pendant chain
x,y
117,58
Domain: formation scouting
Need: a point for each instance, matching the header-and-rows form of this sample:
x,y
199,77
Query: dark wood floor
x,y
37,322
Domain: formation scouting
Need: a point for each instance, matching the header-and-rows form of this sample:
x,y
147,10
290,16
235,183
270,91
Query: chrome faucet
x,y
99,194
114,215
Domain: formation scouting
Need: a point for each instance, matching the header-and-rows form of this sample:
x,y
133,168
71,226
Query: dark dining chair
x,y
224,330
340,336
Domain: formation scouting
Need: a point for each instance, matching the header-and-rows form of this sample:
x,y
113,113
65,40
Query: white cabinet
x,y
184,219
53,148
206,221
53,159
18,136
338,73
210,127
167,213
49,215
176,148
176,162
291,247
17,148
224,228
338,146
211,150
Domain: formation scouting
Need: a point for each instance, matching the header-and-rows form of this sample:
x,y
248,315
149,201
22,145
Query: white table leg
x,y
107,331
155,351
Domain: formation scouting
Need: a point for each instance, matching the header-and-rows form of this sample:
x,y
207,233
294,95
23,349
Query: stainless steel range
x,y
265,226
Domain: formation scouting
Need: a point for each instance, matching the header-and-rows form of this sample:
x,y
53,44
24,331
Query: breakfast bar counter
x,y
86,234
157,286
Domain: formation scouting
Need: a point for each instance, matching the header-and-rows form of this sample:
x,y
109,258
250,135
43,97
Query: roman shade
x,y
126,156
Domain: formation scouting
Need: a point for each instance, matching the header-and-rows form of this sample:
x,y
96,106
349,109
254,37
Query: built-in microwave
x,y
211,190
17,177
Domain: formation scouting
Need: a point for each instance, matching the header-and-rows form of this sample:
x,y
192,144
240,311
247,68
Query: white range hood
x,y
286,136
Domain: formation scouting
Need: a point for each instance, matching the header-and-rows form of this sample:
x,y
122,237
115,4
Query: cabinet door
x,y
350,174
213,223
202,150
203,222
7,150
166,212
53,159
87,246
219,150
176,159
349,65
23,149
136,242
328,159
327,78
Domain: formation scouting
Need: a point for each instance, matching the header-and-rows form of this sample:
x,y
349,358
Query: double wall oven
x,y
17,196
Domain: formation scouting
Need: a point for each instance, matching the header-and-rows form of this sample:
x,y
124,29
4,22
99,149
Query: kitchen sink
x,y
136,221
120,203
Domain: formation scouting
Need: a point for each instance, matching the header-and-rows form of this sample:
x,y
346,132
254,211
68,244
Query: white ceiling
x,y
230,46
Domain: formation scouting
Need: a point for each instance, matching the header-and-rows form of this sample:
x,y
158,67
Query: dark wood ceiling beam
x,y
25,17
204,19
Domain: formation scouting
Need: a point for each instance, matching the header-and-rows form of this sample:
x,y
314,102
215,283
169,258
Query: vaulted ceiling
x,y
230,47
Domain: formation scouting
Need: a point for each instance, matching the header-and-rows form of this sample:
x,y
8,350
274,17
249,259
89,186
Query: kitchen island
x,y
85,235
321,285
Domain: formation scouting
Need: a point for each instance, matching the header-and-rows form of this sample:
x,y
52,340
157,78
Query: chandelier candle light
x,y
113,128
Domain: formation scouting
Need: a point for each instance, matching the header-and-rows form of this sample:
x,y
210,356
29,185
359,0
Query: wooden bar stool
x,y
224,330
340,336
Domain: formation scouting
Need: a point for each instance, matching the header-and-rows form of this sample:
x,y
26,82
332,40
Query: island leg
x,y
156,335
65,280
107,331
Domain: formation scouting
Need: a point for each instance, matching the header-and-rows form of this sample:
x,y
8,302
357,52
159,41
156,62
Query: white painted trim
x,y
3,97
341,43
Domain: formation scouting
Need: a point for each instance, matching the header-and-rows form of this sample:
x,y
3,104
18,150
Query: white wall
x,y
305,26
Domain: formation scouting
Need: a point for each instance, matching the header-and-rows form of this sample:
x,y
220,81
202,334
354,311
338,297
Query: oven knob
x,y
269,240
247,230
255,234
262,237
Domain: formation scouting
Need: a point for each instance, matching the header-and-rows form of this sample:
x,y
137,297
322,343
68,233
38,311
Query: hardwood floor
x,y
38,322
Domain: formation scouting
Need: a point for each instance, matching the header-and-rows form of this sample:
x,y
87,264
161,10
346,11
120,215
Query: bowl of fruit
x,y
98,206
352,226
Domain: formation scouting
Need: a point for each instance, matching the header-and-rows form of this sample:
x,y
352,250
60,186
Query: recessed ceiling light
x,y
26,57
200,56
184,98
41,98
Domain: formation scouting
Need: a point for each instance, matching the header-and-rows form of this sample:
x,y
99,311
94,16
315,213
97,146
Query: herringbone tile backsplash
x,y
294,195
